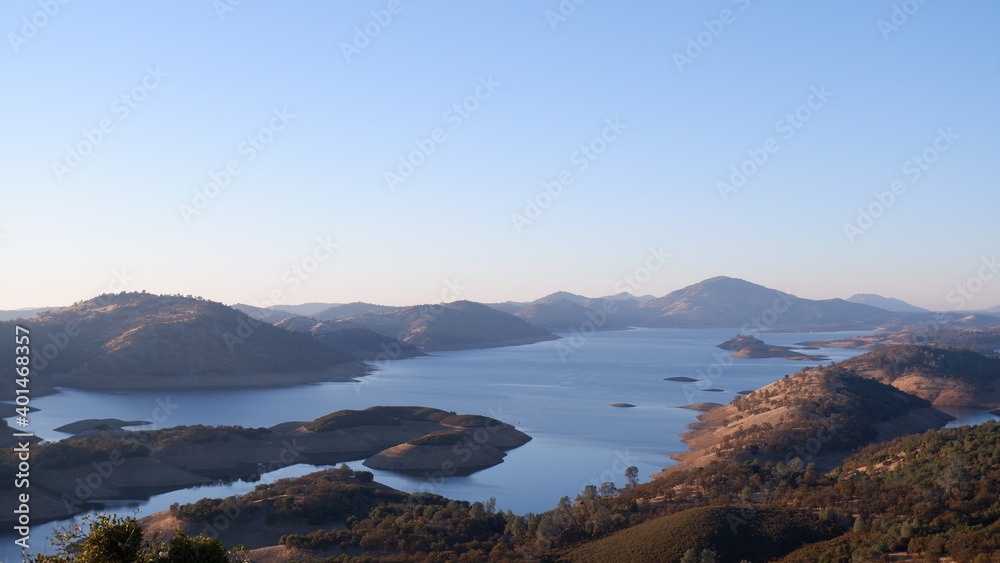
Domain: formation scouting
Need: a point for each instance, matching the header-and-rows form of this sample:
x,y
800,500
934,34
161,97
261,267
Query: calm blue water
x,y
579,438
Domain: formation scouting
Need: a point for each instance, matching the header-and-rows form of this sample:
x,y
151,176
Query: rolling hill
x,y
832,406
723,302
449,326
887,303
15,314
364,344
943,376
140,339
336,312
771,533
266,314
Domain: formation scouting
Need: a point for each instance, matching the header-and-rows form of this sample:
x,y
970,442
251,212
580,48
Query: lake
x,y
562,402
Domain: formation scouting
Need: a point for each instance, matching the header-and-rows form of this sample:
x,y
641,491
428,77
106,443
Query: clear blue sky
x,y
198,82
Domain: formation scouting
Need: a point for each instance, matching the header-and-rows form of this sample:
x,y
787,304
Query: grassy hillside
x,y
928,497
941,375
830,408
392,416
772,532
139,335
363,344
728,302
448,326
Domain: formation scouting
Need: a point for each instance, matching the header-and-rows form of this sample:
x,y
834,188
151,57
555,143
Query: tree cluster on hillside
x,y
934,495
117,539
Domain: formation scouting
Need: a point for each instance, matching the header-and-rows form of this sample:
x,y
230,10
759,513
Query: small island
x,y
746,346
623,405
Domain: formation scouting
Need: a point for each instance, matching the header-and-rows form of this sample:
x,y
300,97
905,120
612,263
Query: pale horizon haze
x,y
389,151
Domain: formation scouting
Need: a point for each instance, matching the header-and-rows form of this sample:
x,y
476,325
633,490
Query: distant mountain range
x,y
27,313
887,303
448,326
139,335
728,302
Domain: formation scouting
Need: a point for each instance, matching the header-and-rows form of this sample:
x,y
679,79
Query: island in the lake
x,y
746,346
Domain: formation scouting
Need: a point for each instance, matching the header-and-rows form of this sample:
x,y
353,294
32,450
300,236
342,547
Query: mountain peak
x,y
732,302
887,303
572,297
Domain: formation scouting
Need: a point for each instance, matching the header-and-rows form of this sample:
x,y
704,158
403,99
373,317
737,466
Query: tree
x,y
111,539
185,549
120,539
859,525
691,556
608,489
828,514
477,511
631,474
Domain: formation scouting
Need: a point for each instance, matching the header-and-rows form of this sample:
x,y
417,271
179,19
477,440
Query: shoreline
x,y
343,373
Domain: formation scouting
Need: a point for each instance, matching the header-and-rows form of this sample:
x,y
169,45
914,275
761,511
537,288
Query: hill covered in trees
x,y
829,410
943,376
921,497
